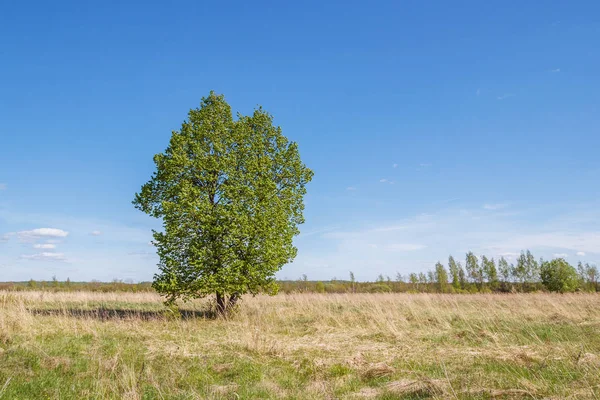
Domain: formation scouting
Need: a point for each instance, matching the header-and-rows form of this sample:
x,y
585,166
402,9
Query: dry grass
x,y
305,346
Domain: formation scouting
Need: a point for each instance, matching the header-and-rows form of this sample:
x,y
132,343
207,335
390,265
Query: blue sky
x,y
432,127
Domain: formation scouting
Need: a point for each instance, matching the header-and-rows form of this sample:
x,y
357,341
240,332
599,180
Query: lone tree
x,y
559,276
230,195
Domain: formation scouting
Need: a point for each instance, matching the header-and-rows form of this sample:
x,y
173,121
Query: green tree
x,y
472,267
490,272
230,196
533,269
505,271
414,280
454,274
462,276
320,287
520,271
431,276
441,277
559,276
422,277
592,276
588,275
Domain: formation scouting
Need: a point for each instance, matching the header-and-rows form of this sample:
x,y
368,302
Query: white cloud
x,y
497,206
350,188
2,186
405,247
389,228
44,246
581,253
509,255
395,245
450,200
384,180
42,233
555,70
584,241
302,234
95,233
505,96
45,256
560,255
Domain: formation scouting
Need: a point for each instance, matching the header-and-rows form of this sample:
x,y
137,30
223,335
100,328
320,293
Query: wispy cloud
x,y
309,233
351,188
555,70
450,200
509,255
497,206
423,239
42,233
425,165
44,246
405,247
584,241
581,253
95,233
385,180
45,256
2,186
505,96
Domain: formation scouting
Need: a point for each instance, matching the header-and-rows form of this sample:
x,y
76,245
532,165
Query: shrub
x,y
559,276
320,287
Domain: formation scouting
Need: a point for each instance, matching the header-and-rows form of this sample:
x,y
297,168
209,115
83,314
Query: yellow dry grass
x,y
125,345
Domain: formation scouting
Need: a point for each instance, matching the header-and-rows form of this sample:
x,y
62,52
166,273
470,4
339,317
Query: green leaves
x,y
230,194
559,276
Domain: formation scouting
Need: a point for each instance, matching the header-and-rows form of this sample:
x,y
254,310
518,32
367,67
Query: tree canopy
x,y
230,196
559,276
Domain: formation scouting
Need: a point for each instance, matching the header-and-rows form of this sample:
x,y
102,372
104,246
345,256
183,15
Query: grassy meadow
x,y
76,345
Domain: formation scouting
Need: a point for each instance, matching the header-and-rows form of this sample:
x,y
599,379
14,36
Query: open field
x,y
304,346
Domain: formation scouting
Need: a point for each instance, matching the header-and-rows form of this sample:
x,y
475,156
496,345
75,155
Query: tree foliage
x,y
559,276
441,277
230,196
454,273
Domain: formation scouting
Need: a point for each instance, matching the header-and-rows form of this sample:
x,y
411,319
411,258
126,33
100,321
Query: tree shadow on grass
x,y
106,314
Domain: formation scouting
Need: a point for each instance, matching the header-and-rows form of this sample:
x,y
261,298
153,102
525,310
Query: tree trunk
x,y
232,300
224,305
221,308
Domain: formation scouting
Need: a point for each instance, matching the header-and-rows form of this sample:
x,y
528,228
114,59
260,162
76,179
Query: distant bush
x,y
559,276
320,287
379,288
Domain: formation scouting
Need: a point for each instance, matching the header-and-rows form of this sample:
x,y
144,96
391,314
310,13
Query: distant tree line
x,y
478,275
54,285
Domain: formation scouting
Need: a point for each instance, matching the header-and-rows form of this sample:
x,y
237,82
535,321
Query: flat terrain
x,y
303,346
